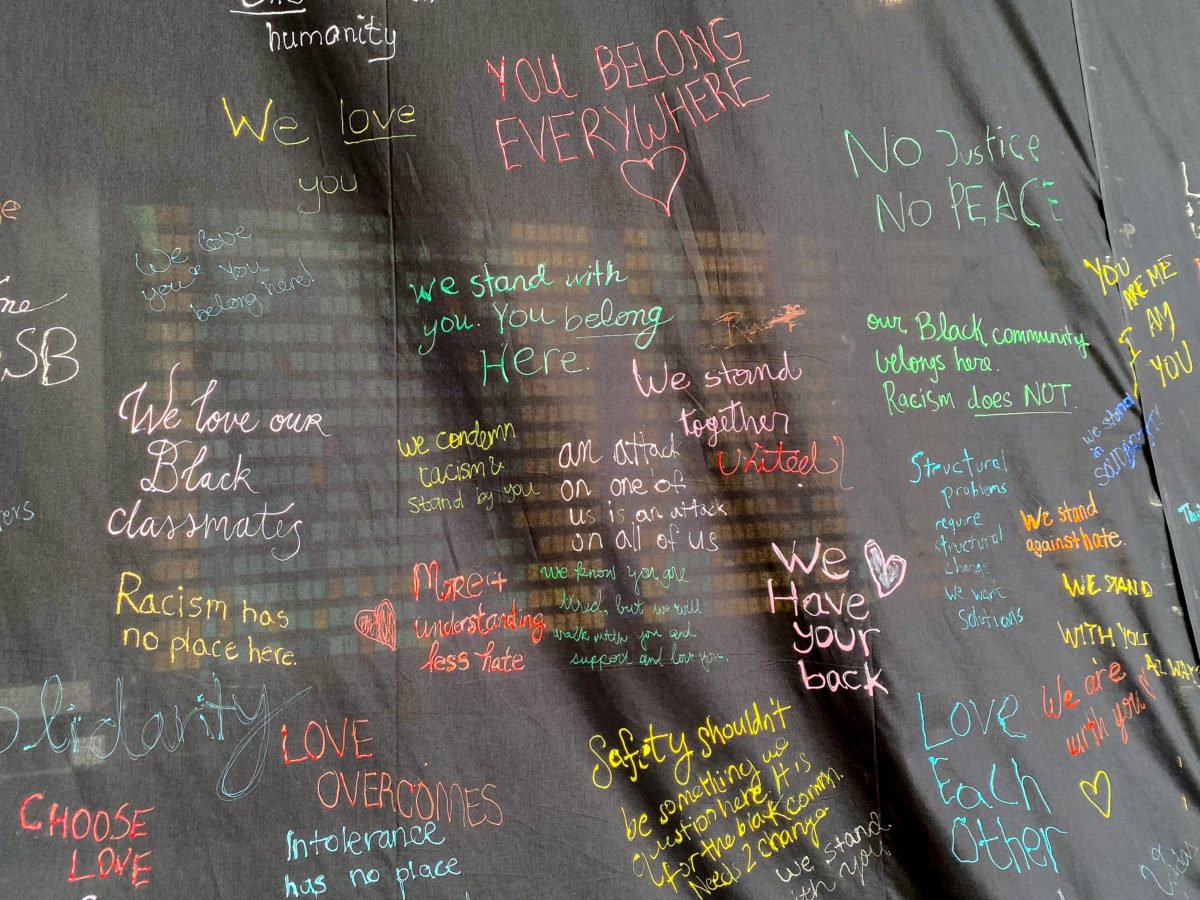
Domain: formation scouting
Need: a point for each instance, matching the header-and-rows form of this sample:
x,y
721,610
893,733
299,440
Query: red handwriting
x,y
319,737
1093,683
424,801
618,66
489,661
674,160
626,129
109,863
741,327
533,83
126,822
1094,729
765,461
459,661
482,623
695,75
471,586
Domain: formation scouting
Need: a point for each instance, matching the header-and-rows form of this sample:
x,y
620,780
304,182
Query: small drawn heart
x,y
1093,789
673,153
886,572
378,624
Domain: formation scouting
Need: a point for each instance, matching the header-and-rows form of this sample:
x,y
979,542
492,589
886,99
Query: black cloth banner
x,y
560,450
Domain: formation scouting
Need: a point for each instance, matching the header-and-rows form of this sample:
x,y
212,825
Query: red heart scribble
x,y
378,624
648,162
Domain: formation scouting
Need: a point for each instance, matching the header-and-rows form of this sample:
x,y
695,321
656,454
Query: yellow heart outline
x,y
1094,784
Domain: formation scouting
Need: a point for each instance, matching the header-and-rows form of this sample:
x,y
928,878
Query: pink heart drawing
x,y
378,624
648,162
887,573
